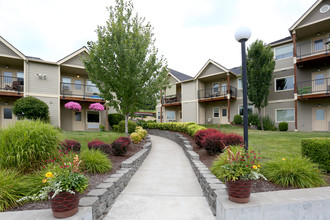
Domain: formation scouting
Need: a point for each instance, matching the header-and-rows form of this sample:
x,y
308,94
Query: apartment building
x,y
55,83
299,93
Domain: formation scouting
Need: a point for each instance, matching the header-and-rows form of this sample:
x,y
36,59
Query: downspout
x,y
295,81
228,96
161,107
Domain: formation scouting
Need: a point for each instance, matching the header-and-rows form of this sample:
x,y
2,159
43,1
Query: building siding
x,y
77,60
210,69
53,104
270,110
4,50
189,110
315,15
284,63
189,92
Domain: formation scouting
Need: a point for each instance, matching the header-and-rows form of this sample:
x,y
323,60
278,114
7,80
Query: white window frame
x,y
77,84
218,112
284,109
92,122
239,84
213,92
243,110
287,45
68,84
170,119
284,90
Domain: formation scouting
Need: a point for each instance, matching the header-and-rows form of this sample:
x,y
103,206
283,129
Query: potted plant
x,y
62,184
238,168
102,127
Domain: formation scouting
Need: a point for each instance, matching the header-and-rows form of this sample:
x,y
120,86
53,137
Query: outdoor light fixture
x,y
242,35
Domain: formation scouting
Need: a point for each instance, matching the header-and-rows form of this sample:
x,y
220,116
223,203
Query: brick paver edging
x,y
210,184
103,196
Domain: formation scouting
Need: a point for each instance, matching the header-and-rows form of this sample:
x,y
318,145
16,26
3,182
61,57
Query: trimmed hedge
x,y
70,145
131,126
99,145
214,143
283,126
120,146
188,127
318,150
199,136
115,118
238,119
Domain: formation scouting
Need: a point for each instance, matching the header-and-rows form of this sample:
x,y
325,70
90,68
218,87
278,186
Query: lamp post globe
x,y
242,35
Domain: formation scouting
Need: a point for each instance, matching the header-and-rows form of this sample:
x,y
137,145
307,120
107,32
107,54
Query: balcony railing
x,y
79,90
311,87
171,99
321,46
11,84
216,92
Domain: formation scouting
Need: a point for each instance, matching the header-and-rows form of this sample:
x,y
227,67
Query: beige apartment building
x,y
299,93
55,83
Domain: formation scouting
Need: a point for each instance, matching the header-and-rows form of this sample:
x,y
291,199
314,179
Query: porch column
x,y
295,81
228,97
106,118
161,107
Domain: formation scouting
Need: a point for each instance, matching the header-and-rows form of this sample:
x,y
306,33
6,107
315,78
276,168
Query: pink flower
x,y
96,107
73,106
52,160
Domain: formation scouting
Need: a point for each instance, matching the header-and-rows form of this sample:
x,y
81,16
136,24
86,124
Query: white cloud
x,y
188,33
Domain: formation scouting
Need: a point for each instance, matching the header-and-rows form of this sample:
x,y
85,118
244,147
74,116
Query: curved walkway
x,y
164,187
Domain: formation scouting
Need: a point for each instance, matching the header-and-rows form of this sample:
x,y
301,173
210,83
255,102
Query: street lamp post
x,y
242,35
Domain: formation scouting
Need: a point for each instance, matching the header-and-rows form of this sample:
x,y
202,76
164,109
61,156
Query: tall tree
x,y
260,67
123,61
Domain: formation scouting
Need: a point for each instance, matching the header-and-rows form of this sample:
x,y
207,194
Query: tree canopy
x,y
123,61
260,67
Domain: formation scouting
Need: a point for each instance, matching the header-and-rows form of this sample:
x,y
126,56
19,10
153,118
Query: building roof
x,y
237,70
178,75
34,58
289,38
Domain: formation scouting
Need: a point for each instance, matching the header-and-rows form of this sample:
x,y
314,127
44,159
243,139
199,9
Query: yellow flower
x,y
49,174
258,165
76,158
283,158
255,167
44,180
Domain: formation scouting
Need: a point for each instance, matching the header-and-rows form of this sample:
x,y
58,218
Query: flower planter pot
x,y
239,191
64,204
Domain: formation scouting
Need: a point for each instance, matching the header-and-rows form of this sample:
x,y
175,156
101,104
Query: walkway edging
x,y
104,195
211,186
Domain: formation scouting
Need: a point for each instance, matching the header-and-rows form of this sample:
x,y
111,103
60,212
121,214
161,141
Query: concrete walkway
x,y
164,187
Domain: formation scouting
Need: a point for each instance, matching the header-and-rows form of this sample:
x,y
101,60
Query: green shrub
x,y
318,150
254,119
27,144
238,120
135,137
140,123
102,128
95,161
268,124
283,126
294,171
115,118
131,126
31,108
116,128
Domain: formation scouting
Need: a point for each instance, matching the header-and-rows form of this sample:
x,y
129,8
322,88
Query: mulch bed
x,y
258,185
94,179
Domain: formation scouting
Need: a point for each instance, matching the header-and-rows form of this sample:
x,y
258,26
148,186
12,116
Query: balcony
x,y
216,94
315,49
73,91
11,86
171,100
317,88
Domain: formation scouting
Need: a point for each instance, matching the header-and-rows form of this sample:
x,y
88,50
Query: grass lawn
x,y
85,136
272,144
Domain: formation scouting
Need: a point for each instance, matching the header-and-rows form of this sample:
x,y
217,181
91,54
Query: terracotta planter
x,y
239,191
64,204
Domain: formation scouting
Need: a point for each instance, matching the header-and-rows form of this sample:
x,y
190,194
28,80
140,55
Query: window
x,y
285,115
240,109
239,83
215,88
66,83
319,79
320,114
283,52
284,83
180,114
77,116
318,45
224,112
91,87
77,84
93,117
7,113
170,115
8,78
159,116
20,75
224,88
216,112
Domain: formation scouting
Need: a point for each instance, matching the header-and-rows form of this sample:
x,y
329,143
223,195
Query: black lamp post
x,y
242,35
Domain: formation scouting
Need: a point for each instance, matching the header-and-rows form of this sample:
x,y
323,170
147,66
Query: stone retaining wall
x,y
103,196
209,183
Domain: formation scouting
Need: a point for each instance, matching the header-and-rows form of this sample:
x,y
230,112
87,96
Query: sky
x,y
188,32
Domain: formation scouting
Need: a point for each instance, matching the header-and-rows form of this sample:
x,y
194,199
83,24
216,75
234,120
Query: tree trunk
x,y
260,118
126,125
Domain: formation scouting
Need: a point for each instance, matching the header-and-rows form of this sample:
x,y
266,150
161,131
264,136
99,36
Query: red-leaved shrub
x,y
70,145
215,143
99,145
120,146
201,134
